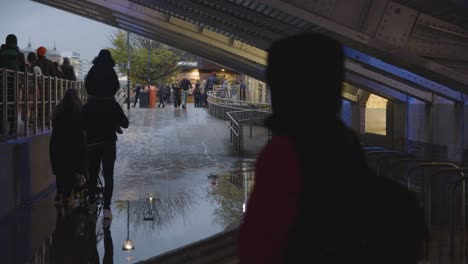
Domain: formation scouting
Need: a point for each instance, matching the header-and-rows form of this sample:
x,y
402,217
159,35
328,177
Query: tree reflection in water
x,y
162,211
230,192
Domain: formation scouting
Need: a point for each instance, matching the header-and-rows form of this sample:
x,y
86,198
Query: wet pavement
x,y
177,180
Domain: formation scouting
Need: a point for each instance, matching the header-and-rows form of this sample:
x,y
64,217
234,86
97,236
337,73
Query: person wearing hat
x,y
11,58
46,65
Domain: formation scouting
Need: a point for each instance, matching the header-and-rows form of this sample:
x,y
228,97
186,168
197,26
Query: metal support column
x,y
128,69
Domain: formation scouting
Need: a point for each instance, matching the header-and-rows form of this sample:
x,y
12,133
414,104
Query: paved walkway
x,y
182,158
168,150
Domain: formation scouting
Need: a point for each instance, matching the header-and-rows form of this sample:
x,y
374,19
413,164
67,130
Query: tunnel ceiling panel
x,y
240,31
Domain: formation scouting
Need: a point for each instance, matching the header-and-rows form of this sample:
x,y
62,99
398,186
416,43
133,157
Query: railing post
x,y
16,97
61,89
241,136
26,104
35,91
43,103
49,117
4,104
56,91
250,123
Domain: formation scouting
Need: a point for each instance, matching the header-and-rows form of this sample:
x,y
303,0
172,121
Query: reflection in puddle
x,y
152,214
141,228
230,191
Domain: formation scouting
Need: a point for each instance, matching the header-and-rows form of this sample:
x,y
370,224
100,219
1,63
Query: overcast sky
x,y
45,24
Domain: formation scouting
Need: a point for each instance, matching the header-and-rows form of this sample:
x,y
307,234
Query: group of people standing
x,y
12,58
177,94
84,136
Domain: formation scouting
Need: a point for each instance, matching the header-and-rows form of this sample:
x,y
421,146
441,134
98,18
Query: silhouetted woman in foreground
x,y
67,144
314,199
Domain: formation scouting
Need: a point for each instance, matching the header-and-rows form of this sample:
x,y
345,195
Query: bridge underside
x,y
392,50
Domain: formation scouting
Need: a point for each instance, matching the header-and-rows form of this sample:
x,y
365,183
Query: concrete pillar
x,y
355,116
346,112
361,105
418,126
399,131
447,120
459,138
429,131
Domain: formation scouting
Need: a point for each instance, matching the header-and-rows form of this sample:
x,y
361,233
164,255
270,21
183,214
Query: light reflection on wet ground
x,y
166,154
154,226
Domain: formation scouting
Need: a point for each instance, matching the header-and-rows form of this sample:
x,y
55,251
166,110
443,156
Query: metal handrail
x,y
452,212
226,101
33,98
369,148
235,129
378,152
428,165
397,160
429,192
390,157
121,98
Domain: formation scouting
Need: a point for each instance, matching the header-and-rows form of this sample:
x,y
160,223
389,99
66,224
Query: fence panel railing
x,y
27,102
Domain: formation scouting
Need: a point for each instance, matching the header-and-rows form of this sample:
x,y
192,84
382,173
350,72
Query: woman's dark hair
x,y
32,57
104,57
70,103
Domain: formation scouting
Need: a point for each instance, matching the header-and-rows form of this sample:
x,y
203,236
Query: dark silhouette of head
x,y
104,57
11,40
66,60
32,57
305,74
70,103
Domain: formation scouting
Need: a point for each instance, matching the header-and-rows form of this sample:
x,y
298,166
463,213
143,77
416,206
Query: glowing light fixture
x,y
128,245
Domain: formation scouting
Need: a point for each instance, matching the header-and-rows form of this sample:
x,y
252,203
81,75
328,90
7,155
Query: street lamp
x,y
149,211
128,244
128,69
149,63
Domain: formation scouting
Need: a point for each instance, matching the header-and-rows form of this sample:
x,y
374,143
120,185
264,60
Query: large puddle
x,y
140,229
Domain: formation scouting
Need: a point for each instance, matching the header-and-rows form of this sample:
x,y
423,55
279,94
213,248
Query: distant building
x,y
76,62
84,68
54,55
28,49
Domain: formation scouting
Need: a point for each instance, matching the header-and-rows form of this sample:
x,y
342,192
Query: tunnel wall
x,y
25,172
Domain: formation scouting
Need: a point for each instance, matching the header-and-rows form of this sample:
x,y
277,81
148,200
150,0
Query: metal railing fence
x,y
237,114
27,102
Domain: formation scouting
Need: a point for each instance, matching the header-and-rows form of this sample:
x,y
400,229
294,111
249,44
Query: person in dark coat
x,y
314,199
46,65
68,70
67,144
11,58
58,71
100,119
10,55
102,81
185,85
176,92
137,94
102,116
